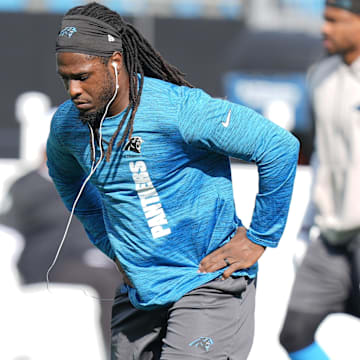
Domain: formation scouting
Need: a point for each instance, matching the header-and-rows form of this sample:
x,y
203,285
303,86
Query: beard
x,y
93,119
107,92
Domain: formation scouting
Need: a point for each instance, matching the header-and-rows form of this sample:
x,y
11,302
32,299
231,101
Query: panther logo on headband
x,y
134,144
68,31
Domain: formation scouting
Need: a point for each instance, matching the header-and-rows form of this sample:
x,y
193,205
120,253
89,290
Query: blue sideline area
x,y
188,8
311,7
196,8
179,8
126,7
12,5
230,8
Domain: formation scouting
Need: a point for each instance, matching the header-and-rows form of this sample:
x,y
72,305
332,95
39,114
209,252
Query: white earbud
x,y
114,64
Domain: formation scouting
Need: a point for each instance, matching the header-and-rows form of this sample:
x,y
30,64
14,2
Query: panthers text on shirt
x,y
150,201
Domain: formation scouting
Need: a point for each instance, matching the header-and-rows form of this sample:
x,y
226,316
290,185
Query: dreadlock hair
x,y
139,58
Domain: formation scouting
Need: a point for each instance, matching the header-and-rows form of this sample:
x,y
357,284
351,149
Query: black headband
x,y
86,35
349,5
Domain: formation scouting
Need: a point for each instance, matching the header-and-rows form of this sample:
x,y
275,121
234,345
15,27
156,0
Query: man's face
x,y
341,31
88,82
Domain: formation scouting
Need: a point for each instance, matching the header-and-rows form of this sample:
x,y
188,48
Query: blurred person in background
x,y
327,280
37,213
160,201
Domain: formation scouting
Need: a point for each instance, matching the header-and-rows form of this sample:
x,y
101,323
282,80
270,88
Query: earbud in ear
x,y
114,64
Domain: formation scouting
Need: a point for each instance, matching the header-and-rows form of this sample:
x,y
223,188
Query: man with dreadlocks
x,y
160,202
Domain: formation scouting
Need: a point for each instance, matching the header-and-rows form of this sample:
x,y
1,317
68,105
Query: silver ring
x,y
227,262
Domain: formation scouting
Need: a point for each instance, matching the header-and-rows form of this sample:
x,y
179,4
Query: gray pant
x,y
325,281
213,321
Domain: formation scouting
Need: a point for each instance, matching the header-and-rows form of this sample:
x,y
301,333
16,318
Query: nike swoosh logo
x,y
227,122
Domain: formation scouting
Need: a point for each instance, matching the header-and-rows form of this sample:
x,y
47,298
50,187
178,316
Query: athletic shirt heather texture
x,y
162,210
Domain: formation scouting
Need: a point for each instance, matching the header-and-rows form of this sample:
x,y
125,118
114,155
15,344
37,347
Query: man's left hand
x,y
239,253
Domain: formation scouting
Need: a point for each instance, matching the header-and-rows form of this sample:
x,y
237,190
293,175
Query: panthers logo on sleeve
x,y
134,144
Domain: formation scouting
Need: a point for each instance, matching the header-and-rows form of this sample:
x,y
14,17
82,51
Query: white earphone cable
x,y
93,169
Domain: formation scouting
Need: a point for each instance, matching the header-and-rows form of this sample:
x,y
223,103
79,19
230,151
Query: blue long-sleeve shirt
x,y
160,211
